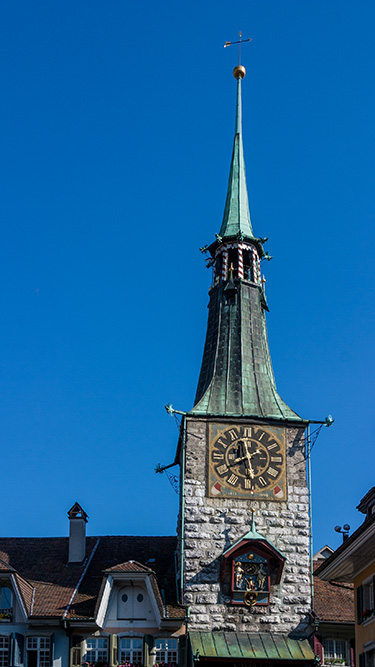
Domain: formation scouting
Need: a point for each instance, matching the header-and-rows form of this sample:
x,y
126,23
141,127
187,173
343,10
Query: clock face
x,y
247,461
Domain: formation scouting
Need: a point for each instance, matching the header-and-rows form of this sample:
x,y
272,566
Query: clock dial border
x,y
253,458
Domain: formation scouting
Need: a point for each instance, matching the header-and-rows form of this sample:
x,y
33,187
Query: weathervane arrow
x,y
239,42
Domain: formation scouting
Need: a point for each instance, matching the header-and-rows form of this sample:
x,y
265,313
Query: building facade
x,y
334,641
89,600
354,561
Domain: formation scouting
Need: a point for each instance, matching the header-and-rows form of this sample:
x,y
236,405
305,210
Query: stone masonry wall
x,y
212,525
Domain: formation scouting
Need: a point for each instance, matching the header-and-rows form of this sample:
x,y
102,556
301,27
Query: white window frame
x,y
6,611
131,654
327,660
42,646
166,650
4,651
98,651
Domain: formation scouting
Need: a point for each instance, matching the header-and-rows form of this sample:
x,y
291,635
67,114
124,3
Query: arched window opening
x,y
232,262
248,265
218,268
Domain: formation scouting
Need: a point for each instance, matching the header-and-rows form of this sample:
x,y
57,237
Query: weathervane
x,y
239,42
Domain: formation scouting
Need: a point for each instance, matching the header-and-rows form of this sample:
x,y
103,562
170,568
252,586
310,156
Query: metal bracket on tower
x,y
174,480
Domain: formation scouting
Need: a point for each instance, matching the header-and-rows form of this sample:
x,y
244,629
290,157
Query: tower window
x,y
218,267
248,266
233,262
230,299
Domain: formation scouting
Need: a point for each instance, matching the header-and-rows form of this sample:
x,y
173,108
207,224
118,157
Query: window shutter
x,y
182,653
362,659
76,650
52,650
359,604
18,649
318,648
113,651
148,658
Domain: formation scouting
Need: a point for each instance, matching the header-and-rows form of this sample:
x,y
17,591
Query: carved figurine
x,y
261,576
238,576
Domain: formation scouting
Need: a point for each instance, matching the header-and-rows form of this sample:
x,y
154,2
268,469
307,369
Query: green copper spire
x,y
236,375
236,213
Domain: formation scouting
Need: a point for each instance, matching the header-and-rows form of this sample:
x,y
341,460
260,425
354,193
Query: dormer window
x,y
133,603
6,603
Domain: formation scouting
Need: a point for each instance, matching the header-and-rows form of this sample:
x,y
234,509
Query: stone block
x,y
206,598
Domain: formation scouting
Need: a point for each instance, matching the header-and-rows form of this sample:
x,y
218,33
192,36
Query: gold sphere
x,y
239,72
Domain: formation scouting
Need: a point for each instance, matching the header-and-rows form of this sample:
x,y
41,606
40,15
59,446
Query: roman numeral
x,y
233,434
222,469
222,443
247,483
276,459
261,436
247,431
262,481
217,456
233,479
273,445
272,472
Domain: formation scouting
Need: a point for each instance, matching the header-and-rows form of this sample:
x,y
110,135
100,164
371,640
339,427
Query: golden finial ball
x,y
239,72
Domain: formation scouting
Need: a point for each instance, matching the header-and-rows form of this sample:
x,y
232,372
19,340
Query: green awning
x,y
249,646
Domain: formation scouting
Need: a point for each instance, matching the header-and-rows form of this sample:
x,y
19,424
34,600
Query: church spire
x,y
236,375
236,219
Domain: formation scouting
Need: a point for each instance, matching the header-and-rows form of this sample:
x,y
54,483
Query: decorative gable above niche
x,y
249,569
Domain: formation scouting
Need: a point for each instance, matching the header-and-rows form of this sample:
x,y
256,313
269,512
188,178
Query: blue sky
x,y
117,122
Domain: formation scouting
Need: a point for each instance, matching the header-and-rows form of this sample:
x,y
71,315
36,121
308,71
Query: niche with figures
x,y
250,579
249,569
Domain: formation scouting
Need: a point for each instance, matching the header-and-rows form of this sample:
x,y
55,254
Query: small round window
x,y
124,598
140,597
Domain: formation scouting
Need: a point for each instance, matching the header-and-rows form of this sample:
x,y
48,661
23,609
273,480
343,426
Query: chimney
x,y
77,533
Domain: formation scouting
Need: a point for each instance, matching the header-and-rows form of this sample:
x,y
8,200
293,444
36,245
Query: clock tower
x,y
244,512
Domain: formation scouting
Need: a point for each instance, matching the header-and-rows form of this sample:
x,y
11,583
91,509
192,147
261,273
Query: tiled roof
x,y
26,591
129,566
333,601
4,566
42,563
